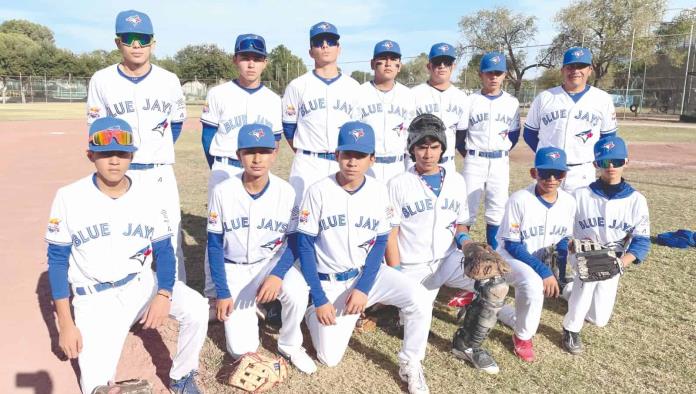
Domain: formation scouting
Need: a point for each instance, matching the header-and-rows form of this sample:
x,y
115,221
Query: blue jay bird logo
x,y
503,134
258,134
584,135
452,227
444,47
324,26
608,146
272,245
367,245
554,155
142,254
388,45
161,127
357,134
399,128
134,20
495,59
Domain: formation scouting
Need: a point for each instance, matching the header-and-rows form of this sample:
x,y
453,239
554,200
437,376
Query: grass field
x,y
647,346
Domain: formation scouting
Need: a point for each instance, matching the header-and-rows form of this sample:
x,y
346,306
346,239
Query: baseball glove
x,y
131,386
482,262
549,257
595,262
257,373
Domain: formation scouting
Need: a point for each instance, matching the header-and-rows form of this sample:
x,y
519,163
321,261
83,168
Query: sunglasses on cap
x,y
104,137
616,163
128,39
319,41
547,173
251,44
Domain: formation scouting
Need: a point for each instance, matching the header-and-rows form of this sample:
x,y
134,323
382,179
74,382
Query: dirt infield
x,y
40,156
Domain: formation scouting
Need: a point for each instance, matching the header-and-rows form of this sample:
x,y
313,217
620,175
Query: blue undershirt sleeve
x,y
216,261
176,130
372,264
531,137
514,136
460,142
288,257
640,246
278,136
206,139
308,264
163,254
519,251
58,260
289,130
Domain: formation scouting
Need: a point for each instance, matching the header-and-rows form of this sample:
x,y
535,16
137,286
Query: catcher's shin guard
x,y
481,315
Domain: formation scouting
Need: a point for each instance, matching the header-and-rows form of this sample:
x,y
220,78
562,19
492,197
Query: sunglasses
x,y
128,39
443,61
616,163
576,66
104,137
251,44
319,42
547,173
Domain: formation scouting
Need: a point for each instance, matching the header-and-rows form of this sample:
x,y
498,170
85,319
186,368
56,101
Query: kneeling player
x,y
250,263
536,222
609,212
428,228
104,232
342,232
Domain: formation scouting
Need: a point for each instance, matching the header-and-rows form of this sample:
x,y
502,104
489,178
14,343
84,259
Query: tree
x,y
607,28
36,32
675,36
282,68
16,54
90,62
549,78
414,71
468,77
168,64
204,61
362,76
501,29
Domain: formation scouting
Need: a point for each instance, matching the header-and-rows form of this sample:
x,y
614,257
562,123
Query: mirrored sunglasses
x,y
251,44
616,163
104,137
547,173
319,42
128,39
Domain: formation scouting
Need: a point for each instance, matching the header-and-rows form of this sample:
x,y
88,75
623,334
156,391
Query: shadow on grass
x,y
378,357
195,226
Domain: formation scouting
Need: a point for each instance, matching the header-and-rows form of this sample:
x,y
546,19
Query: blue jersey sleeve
x,y
216,260
514,136
531,137
519,251
640,246
176,130
206,139
163,254
308,264
372,264
289,130
58,260
287,259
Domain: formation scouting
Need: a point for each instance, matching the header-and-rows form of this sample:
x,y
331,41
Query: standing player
x,y
248,217
573,116
104,233
232,105
342,232
315,105
492,130
536,218
612,213
387,106
151,100
428,230
439,97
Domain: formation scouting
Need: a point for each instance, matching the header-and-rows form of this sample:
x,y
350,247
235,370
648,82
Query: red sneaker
x,y
523,349
462,299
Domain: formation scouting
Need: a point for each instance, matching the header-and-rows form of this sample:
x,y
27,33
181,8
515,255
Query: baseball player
x,y
388,107
232,105
151,100
315,105
428,230
612,213
103,234
342,229
492,130
439,97
573,117
536,218
248,217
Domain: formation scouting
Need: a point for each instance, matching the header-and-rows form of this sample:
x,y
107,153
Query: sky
x,y
83,26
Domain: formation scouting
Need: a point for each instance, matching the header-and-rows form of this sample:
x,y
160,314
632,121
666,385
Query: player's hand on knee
x,y
326,314
224,306
356,302
70,341
269,290
551,288
157,312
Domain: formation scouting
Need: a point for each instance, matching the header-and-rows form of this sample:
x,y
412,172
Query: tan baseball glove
x,y
482,262
257,373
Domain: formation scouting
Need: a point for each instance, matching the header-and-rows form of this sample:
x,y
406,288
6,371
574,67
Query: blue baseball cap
x,y
356,136
250,43
442,49
132,21
550,158
493,61
255,135
612,147
108,124
386,46
323,28
577,55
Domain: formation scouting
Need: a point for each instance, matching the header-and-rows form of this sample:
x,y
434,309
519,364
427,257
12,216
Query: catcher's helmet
x,y
426,125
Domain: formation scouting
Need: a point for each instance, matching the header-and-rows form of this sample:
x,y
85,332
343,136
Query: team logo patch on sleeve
x,y
53,225
161,127
514,228
206,108
304,216
389,211
93,112
290,110
213,217
584,135
134,20
272,245
367,245
142,254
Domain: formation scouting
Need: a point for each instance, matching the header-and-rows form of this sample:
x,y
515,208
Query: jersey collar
x,y
612,192
248,90
134,80
327,81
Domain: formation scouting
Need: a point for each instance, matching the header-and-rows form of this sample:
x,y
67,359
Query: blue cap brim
x,y
269,146
550,167
112,148
355,148
490,69
386,53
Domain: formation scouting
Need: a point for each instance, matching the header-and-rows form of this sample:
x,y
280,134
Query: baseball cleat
x,y
479,357
412,373
300,359
571,342
524,349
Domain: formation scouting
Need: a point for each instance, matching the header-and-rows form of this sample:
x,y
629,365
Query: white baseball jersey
x,y
109,238
450,106
389,114
254,229
573,127
427,223
229,107
149,106
531,222
319,109
490,121
345,225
